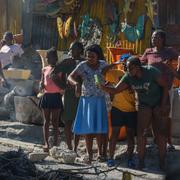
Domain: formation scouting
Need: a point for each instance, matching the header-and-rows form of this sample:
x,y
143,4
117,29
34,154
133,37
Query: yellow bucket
x,y
17,73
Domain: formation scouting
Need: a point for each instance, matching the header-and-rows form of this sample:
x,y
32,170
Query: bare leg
x,y
169,140
99,143
141,141
55,123
130,140
160,126
89,144
104,146
46,117
113,140
143,123
161,142
76,142
68,134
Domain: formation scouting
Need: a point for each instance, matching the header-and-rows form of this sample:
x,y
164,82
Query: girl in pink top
x,y
51,101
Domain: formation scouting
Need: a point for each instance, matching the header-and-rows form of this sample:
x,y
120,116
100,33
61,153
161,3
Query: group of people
x,y
140,95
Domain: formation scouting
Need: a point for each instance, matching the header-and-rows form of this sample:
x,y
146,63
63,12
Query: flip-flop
x,y
111,162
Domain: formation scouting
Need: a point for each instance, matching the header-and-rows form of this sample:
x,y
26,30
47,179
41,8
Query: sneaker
x,y
111,162
170,148
131,164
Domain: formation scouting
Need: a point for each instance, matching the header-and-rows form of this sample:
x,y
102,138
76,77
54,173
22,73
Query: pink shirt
x,y
49,85
151,56
156,59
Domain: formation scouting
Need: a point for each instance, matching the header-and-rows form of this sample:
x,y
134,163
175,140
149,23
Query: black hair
x,y
52,53
96,49
8,35
134,60
78,45
162,34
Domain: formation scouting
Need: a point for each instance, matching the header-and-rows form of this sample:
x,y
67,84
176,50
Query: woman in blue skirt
x,y
91,118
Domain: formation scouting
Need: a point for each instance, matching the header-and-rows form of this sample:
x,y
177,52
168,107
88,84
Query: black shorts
x,y
120,118
51,101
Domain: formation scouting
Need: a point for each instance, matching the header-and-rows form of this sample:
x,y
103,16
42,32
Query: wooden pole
x,y
27,17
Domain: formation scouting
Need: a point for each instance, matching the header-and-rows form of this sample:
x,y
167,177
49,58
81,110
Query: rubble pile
x,y
16,165
66,155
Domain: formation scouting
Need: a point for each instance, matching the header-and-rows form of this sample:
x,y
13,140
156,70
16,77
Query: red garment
x,y
49,85
159,59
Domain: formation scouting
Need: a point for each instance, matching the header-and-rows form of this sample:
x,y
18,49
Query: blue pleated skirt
x,y
92,116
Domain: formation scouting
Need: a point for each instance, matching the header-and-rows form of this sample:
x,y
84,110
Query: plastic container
x,y
117,52
17,73
96,79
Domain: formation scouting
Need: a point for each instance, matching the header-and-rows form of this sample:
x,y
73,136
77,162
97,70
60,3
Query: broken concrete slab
x,y
27,110
19,144
4,113
37,156
19,131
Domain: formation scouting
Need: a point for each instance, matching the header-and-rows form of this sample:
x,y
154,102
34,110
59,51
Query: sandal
x,y
45,149
111,162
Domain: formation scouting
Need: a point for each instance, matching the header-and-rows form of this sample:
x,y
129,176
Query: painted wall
x,y
96,10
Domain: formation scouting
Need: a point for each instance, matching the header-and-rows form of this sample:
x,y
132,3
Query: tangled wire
x,y
15,165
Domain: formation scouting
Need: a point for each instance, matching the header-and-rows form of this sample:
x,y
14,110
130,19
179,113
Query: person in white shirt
x,y
9,50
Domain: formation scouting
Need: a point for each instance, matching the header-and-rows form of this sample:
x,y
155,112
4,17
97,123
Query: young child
x,y
123,113
91,118
50,102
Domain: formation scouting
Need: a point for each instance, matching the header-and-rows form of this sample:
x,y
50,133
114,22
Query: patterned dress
x,y
91,117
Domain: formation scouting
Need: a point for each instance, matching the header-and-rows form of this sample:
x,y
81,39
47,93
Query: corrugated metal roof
x,y
44,32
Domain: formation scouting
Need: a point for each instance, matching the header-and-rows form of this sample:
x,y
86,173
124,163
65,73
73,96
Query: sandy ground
x,y
18,135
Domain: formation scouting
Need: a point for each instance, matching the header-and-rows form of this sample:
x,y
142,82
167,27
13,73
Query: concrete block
x,y
27,110
37,156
